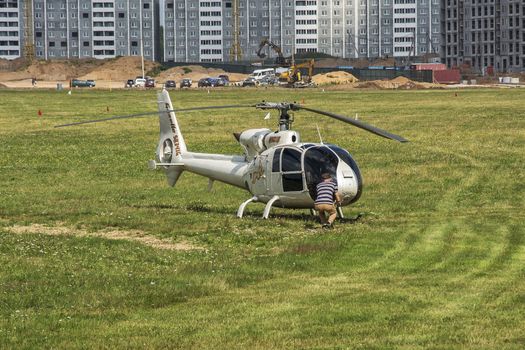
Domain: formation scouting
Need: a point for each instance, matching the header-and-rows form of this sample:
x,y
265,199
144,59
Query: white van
x,y
258,74
140,82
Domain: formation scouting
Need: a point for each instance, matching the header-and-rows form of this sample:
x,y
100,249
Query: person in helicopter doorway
x,y
324,203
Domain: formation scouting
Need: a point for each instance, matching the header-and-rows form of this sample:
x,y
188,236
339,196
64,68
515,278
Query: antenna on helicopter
x,y
319,133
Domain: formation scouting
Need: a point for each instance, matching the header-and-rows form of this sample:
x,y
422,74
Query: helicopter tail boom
x,y
171,146
169,131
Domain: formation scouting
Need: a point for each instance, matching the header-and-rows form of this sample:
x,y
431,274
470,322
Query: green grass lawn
x,y
437,259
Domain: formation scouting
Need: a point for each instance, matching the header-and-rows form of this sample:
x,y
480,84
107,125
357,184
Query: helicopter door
x,y
318,160
274,167
292,174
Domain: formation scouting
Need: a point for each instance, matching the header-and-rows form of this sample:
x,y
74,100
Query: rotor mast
x,y
285,119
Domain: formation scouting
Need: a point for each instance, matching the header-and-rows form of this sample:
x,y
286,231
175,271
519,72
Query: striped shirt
x,y
326,192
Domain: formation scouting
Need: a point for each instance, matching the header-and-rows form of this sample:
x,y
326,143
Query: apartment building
x,y
11,29
204,30
196,30
343,28
484,33
99,29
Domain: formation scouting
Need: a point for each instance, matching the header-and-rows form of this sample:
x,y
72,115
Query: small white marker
x,y
267,116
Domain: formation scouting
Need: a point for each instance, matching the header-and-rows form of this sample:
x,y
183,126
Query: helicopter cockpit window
x,y
318,160
291,170
291,160
276,160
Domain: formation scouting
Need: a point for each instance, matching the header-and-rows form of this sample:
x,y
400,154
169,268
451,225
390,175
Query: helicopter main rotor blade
x,y
357,123
145,114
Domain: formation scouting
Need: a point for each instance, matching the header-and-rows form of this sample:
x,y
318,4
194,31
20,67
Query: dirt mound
x,y
121,68
334,78
400,82
195,73
52,70
2,86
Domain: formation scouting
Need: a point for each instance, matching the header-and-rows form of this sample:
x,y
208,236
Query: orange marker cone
x,y
39,113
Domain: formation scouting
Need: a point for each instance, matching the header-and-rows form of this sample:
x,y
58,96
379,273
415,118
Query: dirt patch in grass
x,y
127,235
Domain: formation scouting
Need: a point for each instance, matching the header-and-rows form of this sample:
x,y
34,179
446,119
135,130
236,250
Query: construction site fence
x,y
375,73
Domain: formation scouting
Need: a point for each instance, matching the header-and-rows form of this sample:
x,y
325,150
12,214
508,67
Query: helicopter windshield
x,y
345,157
318,160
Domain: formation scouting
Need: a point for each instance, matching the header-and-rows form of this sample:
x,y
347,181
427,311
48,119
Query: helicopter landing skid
x,y
269,206
340,212
240,211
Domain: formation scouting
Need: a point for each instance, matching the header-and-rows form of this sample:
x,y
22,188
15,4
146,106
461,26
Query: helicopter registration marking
x,y
175,134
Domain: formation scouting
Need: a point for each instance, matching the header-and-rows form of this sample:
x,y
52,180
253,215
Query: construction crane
x,y
235,49
29,47
280,60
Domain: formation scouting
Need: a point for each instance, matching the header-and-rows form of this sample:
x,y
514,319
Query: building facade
x,y
11,29
484,33
206,30
197,30
66,29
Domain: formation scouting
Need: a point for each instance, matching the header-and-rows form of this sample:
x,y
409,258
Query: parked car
x,y
82,83
150,83
129,83
170,84
140,82
185,83
268,80
204,82
250,81
211,82
225,78
218,82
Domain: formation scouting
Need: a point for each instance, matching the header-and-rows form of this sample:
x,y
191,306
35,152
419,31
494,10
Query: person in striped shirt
x,y
324,202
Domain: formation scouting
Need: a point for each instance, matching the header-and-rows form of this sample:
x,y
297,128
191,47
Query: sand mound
x,y
195,73
400,82
52,70
339,77
121,68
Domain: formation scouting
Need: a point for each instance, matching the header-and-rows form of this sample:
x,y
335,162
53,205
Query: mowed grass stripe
x,y
435,261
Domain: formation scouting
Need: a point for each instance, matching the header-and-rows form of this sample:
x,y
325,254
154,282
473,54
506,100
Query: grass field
x,y
437,259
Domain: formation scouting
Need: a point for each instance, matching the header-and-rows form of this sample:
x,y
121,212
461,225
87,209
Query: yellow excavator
x,y
295,78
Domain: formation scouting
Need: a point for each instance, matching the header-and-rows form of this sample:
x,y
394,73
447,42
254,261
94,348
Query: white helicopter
x,y
276,168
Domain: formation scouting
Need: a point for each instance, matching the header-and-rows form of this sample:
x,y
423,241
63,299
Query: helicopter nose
x,y
349,185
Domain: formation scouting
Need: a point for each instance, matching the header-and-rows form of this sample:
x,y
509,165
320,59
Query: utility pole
x,y
29,47
235,49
